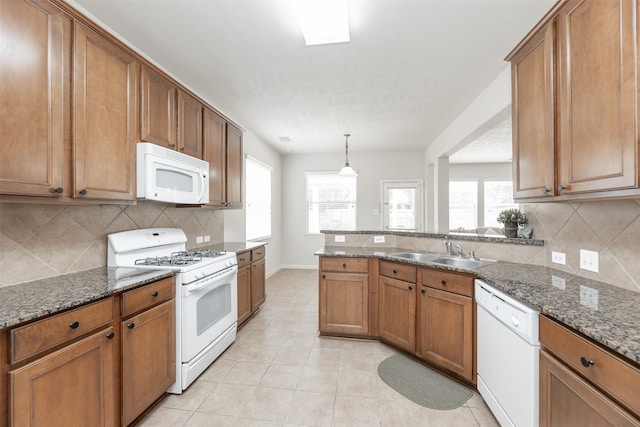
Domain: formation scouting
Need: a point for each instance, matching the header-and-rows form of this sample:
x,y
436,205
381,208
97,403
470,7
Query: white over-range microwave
x,y
166,175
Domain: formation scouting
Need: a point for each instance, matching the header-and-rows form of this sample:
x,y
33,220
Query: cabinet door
x,y
70,387
189,125
157,109
235,161
214,153
104,117
244,294
445,330
533,115
33,91
568,400
598,90
258,292
344,303
397,310
148,358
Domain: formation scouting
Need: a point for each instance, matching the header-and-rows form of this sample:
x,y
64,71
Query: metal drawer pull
x,y
154,294
74,325
395,271
444,282
110,335
586,362
131,325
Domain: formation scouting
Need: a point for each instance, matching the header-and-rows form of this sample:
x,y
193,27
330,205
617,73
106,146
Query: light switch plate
x,y
199,239
558,257
378,239
207,238
589,260
339,238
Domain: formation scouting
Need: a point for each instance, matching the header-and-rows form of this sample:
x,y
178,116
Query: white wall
x,y
235,220
489,108
486,171
372,167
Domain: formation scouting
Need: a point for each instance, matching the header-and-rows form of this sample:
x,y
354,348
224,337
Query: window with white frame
x,y
463,205
498,196
331,202
258,199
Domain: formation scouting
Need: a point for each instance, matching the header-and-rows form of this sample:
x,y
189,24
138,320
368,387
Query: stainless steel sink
x,y
417,256
460,262
441,259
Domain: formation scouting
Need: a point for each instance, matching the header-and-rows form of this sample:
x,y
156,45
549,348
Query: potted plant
x,y
511,218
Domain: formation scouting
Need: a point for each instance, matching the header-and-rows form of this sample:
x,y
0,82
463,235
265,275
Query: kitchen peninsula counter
x,y
605,313
35,299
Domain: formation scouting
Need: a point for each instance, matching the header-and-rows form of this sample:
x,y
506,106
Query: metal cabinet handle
x,y
561,188
83,192
586,362
181,148
344,265
131,325
172,145
423,291
395,271
59,190
154,294
324,277
410,288
444,282
546,190
110,335
74,325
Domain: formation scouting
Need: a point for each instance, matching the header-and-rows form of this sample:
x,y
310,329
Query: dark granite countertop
x,y
235,246
607,314
31,300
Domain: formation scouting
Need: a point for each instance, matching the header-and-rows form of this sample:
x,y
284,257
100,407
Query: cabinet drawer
x,y
28,340
608,372
147,296
448,282
257,254
244,258
352,265
398,271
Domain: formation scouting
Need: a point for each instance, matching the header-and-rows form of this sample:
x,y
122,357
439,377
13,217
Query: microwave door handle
x,y
202,186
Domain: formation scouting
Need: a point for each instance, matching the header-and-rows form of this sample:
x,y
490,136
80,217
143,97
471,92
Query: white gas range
x,y
206,293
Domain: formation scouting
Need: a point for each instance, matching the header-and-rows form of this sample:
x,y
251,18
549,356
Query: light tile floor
x,y
279,372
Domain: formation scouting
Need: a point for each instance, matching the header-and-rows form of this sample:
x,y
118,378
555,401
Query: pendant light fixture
x,y
347,170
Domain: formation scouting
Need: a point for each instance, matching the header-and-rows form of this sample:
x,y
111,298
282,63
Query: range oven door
x,y
209,308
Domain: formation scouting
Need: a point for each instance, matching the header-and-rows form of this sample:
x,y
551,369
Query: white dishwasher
x,y
508,364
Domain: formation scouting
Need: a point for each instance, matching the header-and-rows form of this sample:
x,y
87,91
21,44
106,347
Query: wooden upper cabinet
x,y
215,153
235,161
190,112
157,109
36,40
105,87
597,140
575,107
533,117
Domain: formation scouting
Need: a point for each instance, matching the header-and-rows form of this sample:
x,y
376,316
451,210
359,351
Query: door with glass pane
x,y
402,205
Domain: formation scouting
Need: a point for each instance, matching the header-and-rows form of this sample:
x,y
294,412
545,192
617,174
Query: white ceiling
x,y
410,68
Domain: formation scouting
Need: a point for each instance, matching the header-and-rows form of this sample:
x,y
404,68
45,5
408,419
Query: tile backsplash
x,y
611,228
38,241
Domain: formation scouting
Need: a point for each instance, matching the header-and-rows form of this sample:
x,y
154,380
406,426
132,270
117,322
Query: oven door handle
x,y
206,282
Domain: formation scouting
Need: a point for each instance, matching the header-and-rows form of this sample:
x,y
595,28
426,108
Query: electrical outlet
x,y
378,239
207,238
589,260
199,239
558,258
339,238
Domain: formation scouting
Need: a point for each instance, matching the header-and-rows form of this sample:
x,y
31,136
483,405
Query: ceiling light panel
x,y
324,22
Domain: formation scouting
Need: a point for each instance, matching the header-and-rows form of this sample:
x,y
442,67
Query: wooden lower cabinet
x,y
568,400
251,282
148,358
244,294
397,312
445,330
73,386
344,303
